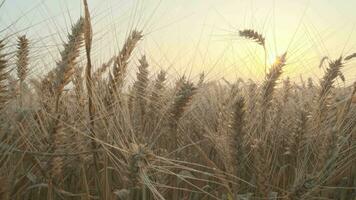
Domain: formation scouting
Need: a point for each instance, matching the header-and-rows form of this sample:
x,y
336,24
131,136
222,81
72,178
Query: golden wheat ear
x,y
271,79
122,59
62,75
258,38
65,67
253,35
332,72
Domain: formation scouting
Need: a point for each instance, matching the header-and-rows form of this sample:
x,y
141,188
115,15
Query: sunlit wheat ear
x,y
4,73
332,72
258,38
65,67
121,61
268,90
320,113
253,35
260,151
270,81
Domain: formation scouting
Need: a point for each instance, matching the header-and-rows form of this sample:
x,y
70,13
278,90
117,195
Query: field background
x,y
231,100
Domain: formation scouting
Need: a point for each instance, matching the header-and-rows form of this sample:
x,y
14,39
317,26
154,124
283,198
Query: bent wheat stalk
x,y
256,37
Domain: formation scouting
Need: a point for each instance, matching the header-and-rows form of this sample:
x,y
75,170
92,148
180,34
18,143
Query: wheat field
x,y
83,132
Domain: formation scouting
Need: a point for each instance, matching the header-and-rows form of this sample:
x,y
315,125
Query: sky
x,y
192,36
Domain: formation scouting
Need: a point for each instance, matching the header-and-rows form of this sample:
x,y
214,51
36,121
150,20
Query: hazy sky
x,y
190,36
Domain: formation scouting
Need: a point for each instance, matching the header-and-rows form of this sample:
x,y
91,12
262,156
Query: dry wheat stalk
x,y
62,76
88,37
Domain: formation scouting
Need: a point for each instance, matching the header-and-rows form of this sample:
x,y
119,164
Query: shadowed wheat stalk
x,y
4,72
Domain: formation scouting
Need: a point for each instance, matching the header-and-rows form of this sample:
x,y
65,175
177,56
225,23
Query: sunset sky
x,y
190,36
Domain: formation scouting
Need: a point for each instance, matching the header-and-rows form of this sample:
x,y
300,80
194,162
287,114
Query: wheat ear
x,y
140,85
269,85
121,61
156,93
22,55
253,35
256,37
260,152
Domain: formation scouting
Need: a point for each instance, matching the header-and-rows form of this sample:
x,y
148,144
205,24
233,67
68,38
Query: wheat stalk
x,y
62,76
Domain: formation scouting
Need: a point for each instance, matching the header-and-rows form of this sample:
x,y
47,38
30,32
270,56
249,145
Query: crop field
x,y
91,129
